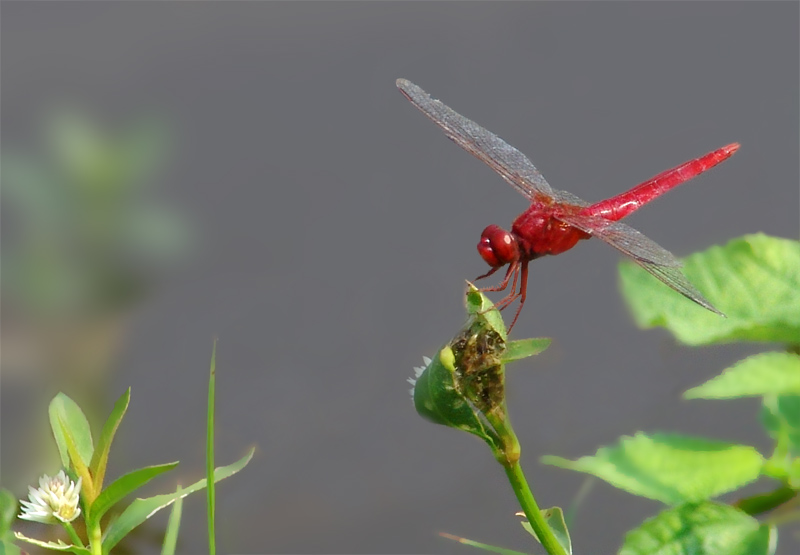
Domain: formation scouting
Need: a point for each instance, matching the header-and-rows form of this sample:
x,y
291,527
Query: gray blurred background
x,y
322,229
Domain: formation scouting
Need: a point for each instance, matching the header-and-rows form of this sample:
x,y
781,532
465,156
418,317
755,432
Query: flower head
x,y
55,500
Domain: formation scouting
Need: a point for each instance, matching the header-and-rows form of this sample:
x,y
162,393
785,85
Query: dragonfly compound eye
x,y
498,247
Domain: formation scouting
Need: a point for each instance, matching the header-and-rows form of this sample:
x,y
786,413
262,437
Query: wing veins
x,y
513,166
645,252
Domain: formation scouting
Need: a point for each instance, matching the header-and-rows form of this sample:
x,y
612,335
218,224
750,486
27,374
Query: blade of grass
x,y
142,509
479,545
212,379
174,524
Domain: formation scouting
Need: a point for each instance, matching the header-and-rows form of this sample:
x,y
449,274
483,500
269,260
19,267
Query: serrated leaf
x,y
780,416
701,528
64,411
437,400
142,509
54,546
123,486
754,280
554,517
755,376
670,468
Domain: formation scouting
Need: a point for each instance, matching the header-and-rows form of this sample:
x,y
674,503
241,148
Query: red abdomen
x,y
538,233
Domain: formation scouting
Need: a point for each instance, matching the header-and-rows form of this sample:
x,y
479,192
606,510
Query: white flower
x,y
418,370
56,499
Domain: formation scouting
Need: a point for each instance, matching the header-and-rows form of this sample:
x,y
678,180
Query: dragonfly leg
x,y
519,271
523,291
513,269
503,284
508,299
487,274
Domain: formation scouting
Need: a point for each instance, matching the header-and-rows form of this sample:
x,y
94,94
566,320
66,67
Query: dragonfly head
x,y
498,247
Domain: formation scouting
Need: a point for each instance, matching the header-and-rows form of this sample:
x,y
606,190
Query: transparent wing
x,y
648,254
510,163
677,281
622,237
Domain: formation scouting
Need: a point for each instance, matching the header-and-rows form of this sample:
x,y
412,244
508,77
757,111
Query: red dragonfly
x,y
557,220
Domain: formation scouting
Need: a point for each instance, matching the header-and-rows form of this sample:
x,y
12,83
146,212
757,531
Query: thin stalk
x,y
531,509
95,538
210,495
73,535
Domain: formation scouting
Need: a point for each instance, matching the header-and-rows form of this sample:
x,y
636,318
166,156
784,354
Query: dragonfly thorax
x,y
498,247
539,233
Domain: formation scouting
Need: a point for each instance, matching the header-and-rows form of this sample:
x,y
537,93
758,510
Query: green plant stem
x,y
210,494
73,535
531,509
95,539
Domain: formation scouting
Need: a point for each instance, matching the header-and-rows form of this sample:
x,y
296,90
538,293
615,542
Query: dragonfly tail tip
x,y
731,148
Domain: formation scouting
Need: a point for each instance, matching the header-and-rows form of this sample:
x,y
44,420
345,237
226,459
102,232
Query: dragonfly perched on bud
x,y
557,220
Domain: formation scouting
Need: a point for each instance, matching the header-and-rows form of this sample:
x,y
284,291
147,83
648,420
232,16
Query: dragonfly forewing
x,y
676,280
510,163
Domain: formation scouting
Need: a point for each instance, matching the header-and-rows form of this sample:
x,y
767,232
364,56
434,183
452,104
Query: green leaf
x,y
523,348
780,416
479,304
794,475
85,155
753,279
54,546
123,486
701,528
8,512
100,457
437,399
173,526
554,517
64,411
758,375
670,468
142,509
7,547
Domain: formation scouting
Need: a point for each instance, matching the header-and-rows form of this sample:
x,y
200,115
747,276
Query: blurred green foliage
x,y
82,234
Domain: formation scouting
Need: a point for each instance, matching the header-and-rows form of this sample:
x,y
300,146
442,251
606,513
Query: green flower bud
x,y
464,385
